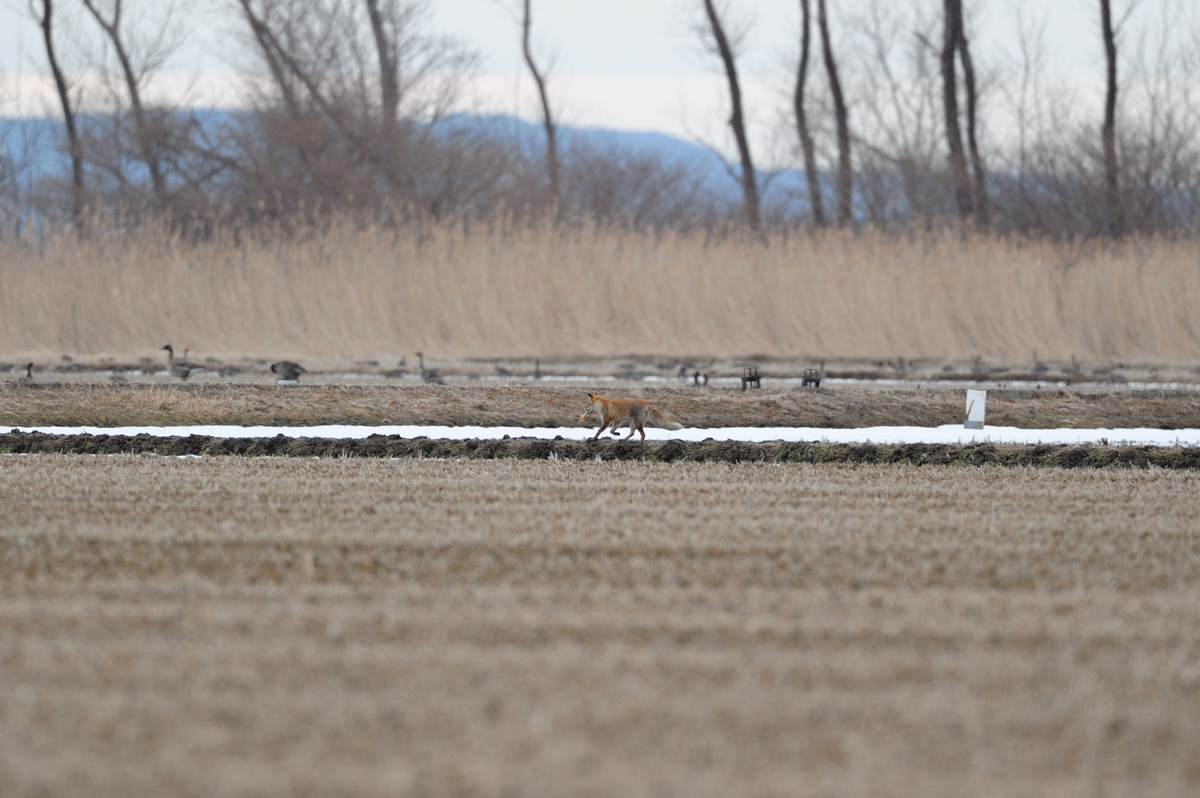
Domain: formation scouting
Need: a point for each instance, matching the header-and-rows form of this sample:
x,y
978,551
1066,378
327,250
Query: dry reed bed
x,y
427,627
352,291
544,405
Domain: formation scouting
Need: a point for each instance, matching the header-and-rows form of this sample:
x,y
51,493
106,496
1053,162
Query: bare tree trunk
x,y
958,162
145,138
391,151
547,116
389,81
45,20
737,120
1109,132
806,141
389,85
845,206
982,207
266,44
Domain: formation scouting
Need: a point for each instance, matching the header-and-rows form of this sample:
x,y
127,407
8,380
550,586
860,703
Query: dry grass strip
x,y
524,405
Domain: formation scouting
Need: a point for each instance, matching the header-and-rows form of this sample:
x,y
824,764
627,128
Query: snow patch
x,y
950,434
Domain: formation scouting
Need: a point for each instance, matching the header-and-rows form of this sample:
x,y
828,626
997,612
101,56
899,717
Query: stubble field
x,y
249,626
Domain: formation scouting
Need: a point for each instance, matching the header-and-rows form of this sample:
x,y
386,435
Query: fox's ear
x,y
591,396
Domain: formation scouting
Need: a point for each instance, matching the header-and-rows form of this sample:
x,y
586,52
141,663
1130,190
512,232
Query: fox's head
x,y
588,408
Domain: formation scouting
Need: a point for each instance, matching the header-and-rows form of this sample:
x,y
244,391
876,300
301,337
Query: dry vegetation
x,y
256,626
550,405
355,292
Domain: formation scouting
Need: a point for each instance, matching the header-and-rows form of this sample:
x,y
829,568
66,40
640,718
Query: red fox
x,y
620,412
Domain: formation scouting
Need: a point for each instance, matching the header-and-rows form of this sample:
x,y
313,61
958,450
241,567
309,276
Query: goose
x,y
288,371
28,378
1038,366
401,369
432,376
537,369
180,368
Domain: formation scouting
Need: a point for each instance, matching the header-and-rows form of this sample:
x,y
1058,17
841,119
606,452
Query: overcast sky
x,y
633,64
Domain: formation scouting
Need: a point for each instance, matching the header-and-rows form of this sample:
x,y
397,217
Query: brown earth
x,y
394,446
263,626
546,404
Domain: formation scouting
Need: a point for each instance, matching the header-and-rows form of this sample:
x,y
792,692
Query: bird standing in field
x,y
433,376
1038,366
28,378
288,370
180,368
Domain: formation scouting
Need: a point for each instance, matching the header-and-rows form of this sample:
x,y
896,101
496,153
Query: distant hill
x,y
36,145
781,187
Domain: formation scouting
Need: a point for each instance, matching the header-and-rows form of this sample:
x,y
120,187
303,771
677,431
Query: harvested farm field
x,y
368,626
524,404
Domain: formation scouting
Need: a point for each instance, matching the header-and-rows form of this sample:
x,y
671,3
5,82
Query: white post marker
x,y
975,403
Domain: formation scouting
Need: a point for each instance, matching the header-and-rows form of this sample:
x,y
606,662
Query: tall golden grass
x,y
356,291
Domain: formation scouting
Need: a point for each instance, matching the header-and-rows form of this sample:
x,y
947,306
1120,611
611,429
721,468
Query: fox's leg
x,y
603,423
641,429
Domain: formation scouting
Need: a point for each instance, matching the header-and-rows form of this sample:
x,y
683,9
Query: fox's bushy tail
x,y
666,422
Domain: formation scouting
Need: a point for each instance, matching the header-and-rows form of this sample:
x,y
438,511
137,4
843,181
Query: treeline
x,y
893,121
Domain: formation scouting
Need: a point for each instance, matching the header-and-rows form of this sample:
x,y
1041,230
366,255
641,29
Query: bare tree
x,y
1157,147
845,202
147,138
1108,131
900,132
806,141
539,79
1031,44
737,120
981,205
611,185
952,25
354,95
43,14
388,59
1032,180
269,51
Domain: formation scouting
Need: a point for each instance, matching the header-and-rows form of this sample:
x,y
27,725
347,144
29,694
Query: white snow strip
x,y
950,433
